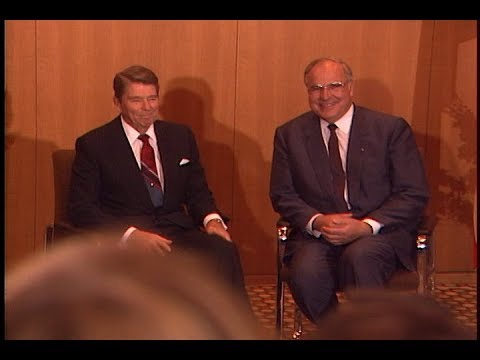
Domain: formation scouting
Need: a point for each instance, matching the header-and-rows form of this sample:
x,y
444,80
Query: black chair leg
x,y
425,263
279,316
297,323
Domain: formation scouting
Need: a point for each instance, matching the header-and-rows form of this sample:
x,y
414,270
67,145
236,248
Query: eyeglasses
x,y
334,87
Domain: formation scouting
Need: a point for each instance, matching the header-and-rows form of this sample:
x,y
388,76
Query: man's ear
x,y
116,101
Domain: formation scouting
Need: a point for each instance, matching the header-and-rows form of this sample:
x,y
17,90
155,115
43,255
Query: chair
x,y
61,227
421,281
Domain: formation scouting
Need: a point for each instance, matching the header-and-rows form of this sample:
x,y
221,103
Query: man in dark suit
x,y
353,224
165,209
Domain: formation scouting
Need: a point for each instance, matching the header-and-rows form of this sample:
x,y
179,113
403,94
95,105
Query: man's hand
x,y
216,227
149,241
340,229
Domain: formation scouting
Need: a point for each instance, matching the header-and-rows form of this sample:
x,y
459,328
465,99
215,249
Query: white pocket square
x,y
184,161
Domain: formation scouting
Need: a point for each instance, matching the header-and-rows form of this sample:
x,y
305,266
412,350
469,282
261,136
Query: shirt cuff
x,y
211,217
310,229
126,235
376,226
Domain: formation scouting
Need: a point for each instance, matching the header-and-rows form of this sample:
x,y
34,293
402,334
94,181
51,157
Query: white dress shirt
x,y
343,132
136,145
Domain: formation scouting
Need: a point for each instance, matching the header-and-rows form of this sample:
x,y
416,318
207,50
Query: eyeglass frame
x,y
331,87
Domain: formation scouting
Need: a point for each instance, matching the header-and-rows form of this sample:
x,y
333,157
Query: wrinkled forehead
x,y
135,89
325,72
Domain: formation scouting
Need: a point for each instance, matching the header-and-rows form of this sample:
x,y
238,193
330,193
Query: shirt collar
x,y
344,123
133,134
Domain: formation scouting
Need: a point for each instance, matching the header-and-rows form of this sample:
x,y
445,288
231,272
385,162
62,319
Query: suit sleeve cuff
x,y
310,229
126,235
214,216
375,225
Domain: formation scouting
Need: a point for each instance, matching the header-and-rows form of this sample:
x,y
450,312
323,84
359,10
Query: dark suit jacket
x,y
108,190
385,175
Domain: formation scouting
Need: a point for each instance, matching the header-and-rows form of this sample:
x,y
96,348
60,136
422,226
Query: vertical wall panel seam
x,y
35,180
427,132
235,182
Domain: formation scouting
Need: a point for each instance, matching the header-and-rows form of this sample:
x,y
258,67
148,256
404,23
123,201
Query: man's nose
x,y
324,92
146,104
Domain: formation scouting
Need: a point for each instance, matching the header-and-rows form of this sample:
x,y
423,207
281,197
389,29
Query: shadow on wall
x,y
452,152
25,225
450,189
190,101
373,94
455,187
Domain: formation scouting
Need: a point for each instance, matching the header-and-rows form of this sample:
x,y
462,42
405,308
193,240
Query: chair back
x,y
62,168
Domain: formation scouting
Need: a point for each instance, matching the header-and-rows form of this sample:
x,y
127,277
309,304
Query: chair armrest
x,y
425,231
283,230
282,222
427,225
61,225
59,230
225,218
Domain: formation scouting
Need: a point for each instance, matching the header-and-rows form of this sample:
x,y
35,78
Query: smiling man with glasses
x,y
352,184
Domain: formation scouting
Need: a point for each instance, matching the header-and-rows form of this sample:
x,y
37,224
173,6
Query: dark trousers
x,y
318,269
221,255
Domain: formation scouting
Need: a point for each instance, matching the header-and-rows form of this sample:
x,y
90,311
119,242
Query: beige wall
x,y
233,82
452,146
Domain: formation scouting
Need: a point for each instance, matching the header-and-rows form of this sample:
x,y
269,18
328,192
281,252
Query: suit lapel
x,y
355,155
127,164
317,152
356,152
167,157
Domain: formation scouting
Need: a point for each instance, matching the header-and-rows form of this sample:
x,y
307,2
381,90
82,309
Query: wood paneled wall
x,y
452,141
20,140
233,82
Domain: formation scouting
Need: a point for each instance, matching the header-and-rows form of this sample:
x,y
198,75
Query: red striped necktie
x,y
147,159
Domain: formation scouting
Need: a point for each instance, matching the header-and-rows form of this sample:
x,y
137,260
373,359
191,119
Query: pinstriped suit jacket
x,y
108,190
385,175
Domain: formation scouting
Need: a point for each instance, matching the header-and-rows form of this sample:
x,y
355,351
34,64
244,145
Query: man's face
x,y
139,106
332,99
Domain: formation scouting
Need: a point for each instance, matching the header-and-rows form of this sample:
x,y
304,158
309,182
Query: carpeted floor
x,y
459,299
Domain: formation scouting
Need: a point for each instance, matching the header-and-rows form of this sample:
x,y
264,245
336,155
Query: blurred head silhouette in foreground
x,y
383,315
83,291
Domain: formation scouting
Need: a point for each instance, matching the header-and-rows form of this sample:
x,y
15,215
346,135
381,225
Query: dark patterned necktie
x,y
149,171
337,169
